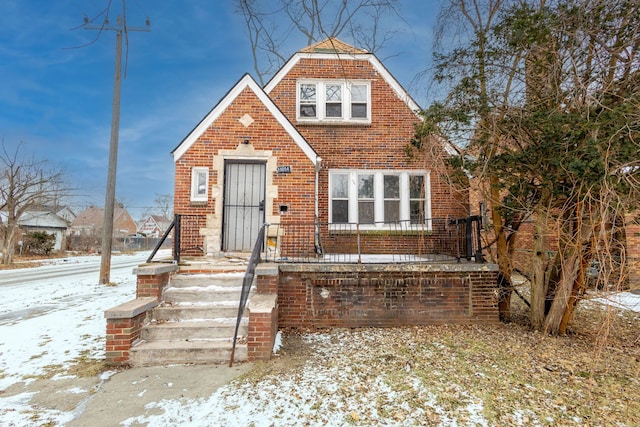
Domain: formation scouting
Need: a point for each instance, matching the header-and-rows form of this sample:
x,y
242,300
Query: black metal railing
x,y
437,240
247,281
186,237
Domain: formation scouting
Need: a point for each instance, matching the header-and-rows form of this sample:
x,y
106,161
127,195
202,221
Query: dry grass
x,y
498,375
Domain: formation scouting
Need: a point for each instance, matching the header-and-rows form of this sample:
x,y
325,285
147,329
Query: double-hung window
x,y
378,199
199,184
334,101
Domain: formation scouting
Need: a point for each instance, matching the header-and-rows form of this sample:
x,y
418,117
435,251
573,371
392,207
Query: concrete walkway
x,y
125,394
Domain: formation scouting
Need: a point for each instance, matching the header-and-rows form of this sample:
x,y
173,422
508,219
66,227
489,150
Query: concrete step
x,y
156,353
204,280
211,293
196,311
186,331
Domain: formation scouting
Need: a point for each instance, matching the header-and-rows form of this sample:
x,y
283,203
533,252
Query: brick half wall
x,y
325,296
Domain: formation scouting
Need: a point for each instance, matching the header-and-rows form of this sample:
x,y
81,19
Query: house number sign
x,y
284,169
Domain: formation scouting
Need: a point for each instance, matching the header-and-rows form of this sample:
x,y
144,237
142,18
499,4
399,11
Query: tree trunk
x,y
538,280
505,270
9,246
564,293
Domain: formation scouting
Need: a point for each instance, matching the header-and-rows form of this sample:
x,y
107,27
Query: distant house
x,y
44,221
67,214
90,222
154,226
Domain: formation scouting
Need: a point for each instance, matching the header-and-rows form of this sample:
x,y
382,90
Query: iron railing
x,y
186,237
437,240
247,282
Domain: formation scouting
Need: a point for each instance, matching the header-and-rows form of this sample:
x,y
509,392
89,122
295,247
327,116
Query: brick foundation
x,y
325,296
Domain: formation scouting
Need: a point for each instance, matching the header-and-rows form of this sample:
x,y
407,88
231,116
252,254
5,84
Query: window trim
x,y
346,102
378,176
195,173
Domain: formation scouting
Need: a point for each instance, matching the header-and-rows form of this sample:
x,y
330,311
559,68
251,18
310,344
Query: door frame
x,y
262,207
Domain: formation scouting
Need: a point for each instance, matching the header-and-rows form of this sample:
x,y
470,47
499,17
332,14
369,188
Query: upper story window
x,y
199,184
334,101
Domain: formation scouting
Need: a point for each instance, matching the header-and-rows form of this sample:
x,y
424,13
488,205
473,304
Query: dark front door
x,y
244,195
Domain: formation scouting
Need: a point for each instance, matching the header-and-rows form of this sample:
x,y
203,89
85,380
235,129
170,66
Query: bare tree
x,y
25,183
271,24
162,205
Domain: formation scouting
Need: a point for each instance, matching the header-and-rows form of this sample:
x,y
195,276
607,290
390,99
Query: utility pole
x,y
110,196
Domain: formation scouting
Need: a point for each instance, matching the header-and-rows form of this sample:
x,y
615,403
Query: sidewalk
x,y
124,395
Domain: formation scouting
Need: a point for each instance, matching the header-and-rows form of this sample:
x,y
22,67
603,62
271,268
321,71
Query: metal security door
x,y
243,215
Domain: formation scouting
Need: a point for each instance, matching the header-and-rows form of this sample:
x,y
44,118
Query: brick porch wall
x,y
324,296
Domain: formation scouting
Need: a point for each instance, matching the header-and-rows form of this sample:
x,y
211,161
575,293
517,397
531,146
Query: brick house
x,y
318,161
325,140
90,222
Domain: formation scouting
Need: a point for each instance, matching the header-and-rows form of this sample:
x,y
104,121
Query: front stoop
x,y
195,322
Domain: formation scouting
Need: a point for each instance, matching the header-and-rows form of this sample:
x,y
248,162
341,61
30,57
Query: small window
x,y
417,199
308,100
340,198
359,101
391,198
333,98
199,184
366,207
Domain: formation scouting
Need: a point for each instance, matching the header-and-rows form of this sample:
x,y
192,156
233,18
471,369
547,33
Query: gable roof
x,y
331,45
41,219
94,217
333,48
245,82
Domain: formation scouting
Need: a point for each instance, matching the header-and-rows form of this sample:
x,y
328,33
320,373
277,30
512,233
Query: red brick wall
x,y
120,336
319,299
295,189
263,328
151,285
379,145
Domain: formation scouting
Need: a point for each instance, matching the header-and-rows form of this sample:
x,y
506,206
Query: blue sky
x,y
57,100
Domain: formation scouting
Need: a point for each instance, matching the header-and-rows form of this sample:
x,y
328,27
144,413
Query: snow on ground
x,y
622,300
46,324
52,322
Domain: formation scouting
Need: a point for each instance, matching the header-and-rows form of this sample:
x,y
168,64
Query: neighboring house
x,y
90,222
324,141
67,214
154,226
43,221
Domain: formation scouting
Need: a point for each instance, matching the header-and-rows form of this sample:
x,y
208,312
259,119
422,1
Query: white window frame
x,y
196,195
378,176
321,114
